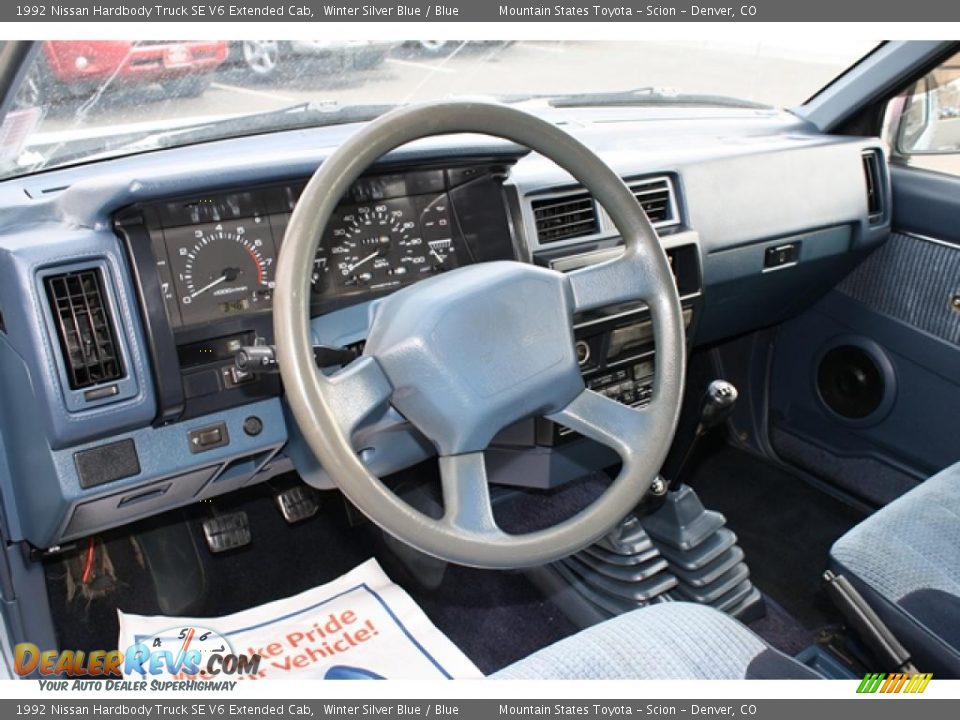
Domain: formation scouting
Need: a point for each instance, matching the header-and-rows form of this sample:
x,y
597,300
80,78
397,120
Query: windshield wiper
x,y
293,117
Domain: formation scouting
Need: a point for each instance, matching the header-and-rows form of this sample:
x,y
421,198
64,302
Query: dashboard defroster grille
x,y
84,328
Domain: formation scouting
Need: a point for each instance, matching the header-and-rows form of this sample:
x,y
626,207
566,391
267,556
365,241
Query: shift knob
x,y
718,403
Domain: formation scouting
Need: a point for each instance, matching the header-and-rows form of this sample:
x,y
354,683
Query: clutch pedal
x,y
298,503
227,532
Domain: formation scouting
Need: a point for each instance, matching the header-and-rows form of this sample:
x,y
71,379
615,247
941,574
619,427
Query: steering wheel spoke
x,y
357,391
625,279
466,495
607,421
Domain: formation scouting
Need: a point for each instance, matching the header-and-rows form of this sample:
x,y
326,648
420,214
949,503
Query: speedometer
x,y
366,241
371,246
386,244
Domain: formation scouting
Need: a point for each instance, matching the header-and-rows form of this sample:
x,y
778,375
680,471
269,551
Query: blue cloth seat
x,y
667,641
905,560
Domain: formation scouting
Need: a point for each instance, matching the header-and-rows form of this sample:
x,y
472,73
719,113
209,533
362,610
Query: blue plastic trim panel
x,y
25,259
47,495
742,295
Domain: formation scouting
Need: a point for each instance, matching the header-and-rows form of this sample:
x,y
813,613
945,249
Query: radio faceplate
x,y
620,362
615,345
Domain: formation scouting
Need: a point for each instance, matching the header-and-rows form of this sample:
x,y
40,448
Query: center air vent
x,y
874,178
656,198
565,217
84,327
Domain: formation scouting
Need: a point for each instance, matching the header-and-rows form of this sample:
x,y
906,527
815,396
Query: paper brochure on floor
x,y
359,626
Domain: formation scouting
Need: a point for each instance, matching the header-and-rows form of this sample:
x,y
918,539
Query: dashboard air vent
x,y
656,198
565,217
84,327
874,177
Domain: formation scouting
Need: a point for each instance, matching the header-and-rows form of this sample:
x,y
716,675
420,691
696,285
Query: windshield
x,y
83,100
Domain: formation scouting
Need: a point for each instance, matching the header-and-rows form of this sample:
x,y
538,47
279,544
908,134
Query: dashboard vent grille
x,y
565,217
874,178
656,198
84,327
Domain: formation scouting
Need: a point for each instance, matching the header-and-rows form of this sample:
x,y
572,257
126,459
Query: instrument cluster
x,y
216,255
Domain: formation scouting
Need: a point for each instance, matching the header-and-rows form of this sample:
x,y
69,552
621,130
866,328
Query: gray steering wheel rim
x,y
313,397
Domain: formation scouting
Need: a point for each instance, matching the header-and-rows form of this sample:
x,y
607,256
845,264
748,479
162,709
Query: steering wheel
x,y
464,354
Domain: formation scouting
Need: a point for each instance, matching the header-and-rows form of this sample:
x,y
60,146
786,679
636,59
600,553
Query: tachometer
x,y
221,270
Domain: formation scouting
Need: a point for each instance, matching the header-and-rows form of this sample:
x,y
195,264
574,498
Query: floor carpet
x,y
784,525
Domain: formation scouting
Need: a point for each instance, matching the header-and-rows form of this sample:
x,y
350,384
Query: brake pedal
x,y
298,503
227,532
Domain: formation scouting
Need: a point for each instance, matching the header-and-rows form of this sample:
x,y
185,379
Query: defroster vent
x,y
85,329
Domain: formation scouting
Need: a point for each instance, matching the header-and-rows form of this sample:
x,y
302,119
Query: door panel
x,y
926,203
865,386
913,280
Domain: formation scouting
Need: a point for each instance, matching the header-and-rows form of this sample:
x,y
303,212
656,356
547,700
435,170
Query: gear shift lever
x,y
717,405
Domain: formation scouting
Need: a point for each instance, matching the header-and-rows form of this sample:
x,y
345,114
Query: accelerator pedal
x,y
298,503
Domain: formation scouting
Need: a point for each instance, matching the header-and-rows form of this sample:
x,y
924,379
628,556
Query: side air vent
x,y
84,327
656,198
565,217
873,175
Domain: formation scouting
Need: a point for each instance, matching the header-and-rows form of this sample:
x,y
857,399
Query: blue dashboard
x,y
126,286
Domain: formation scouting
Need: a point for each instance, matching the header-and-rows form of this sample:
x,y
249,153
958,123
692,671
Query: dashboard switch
x,y
207,438
253,426
233,376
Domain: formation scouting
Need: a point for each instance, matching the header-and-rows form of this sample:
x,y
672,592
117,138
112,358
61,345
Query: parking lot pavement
x,y
487,69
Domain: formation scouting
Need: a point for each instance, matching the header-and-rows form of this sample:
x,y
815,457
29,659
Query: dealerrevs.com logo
x,y
912,683
181,654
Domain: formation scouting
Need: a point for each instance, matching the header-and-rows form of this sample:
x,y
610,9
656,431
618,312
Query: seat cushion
x,y
667,641
905,559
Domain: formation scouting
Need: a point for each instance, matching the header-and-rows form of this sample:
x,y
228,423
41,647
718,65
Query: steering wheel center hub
x,y
477,349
